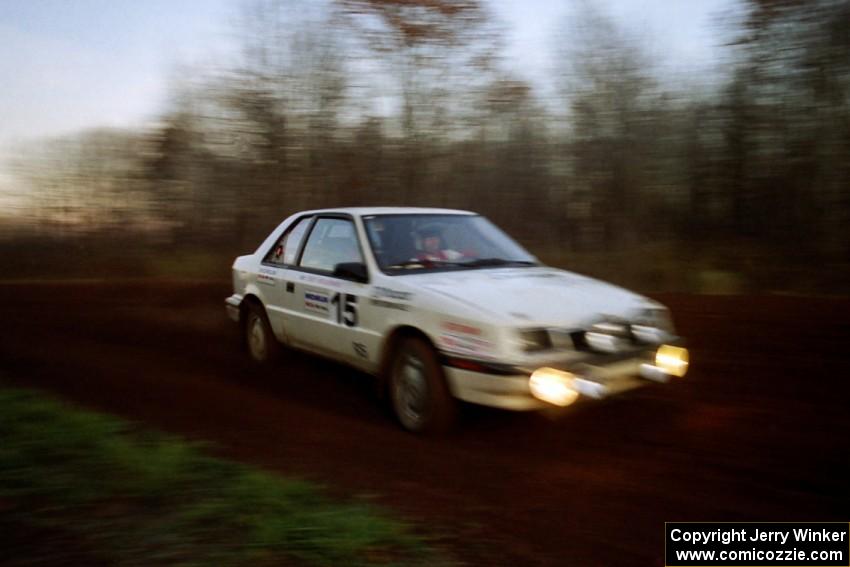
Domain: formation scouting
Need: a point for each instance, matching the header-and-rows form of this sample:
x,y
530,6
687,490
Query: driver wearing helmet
x,y
432,247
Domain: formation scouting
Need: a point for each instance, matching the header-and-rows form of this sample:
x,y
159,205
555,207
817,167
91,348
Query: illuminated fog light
x,y
553,386
672,359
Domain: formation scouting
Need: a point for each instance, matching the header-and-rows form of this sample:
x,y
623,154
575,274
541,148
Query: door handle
x,y
290,287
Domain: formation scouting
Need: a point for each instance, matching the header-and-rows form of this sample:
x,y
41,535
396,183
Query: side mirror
x,y
354,271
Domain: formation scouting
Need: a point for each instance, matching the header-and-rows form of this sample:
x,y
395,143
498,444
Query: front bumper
x,y
595,377
231,305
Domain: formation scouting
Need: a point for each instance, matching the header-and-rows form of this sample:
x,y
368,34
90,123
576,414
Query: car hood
x,y
535,296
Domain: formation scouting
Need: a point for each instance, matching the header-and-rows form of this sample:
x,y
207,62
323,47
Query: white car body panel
x,y
471,314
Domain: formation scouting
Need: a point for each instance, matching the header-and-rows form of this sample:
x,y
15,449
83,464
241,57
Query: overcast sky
x,y
68,65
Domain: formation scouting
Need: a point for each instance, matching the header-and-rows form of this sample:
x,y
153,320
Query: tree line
x,y
619,171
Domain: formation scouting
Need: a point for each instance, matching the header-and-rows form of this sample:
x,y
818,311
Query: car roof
x,y
366,211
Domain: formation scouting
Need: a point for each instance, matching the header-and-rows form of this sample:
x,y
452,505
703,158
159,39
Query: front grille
x,y
579,342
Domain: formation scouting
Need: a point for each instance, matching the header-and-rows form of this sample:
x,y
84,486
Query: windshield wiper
x,y
420,264
482,262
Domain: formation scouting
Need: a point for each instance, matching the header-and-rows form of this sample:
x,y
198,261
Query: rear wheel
x,y
259,339
418,390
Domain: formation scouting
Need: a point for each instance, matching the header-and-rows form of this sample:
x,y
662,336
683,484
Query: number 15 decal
x,y
346,309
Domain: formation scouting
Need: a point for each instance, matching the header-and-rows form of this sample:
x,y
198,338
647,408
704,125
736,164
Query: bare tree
x,y
607,82
433,50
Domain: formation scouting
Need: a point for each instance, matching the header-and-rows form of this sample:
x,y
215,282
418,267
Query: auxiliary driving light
x,y
553,386
672,359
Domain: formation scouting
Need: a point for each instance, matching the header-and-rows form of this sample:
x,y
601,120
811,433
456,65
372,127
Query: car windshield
x,y
409,243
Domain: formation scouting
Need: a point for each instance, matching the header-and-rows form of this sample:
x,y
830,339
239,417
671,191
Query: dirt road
x,y
759,430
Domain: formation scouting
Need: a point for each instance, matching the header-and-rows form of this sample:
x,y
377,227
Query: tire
x,y
419,393
258,337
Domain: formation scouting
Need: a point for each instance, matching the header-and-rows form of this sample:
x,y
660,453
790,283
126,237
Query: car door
x,y
276,275
330,305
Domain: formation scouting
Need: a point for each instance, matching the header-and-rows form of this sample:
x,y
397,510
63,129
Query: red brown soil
x,y
759,429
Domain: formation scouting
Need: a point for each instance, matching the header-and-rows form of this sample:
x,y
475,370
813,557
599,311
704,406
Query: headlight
x,y
658,318
553,386
534,340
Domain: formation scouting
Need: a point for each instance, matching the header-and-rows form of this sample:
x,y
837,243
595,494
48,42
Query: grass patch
x,y
131,496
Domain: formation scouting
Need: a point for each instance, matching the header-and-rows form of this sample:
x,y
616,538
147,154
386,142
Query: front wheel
x,y
259,338
418,391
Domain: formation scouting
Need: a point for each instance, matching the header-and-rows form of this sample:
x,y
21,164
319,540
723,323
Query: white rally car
x,y
442,306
